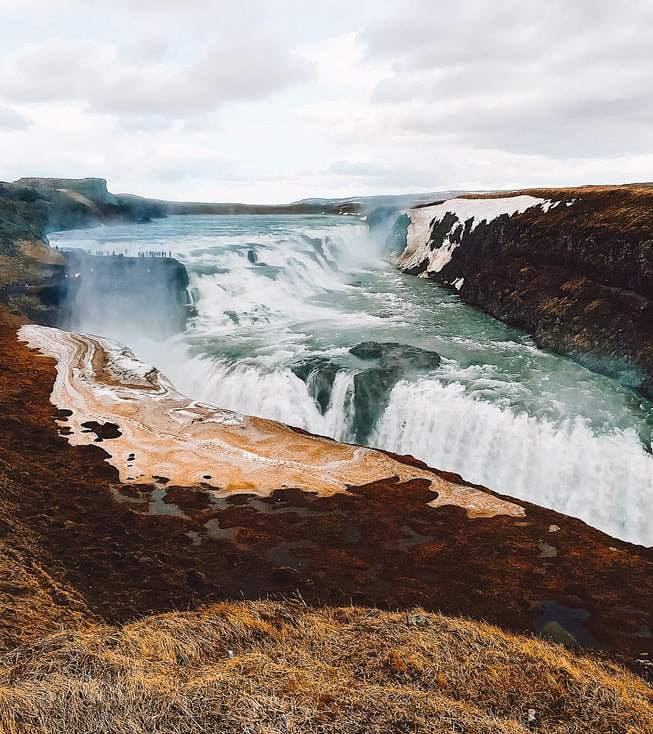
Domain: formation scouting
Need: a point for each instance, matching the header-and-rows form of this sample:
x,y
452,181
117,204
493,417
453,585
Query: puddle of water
x,y
194,536
158,505
411,537
564,624
277,509
215,532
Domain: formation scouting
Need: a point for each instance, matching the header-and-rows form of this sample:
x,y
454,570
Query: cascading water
x,y
282,300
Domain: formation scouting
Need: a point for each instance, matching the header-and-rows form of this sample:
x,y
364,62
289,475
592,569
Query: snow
x,y
418,242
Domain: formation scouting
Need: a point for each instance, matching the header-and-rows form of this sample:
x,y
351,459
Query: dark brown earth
x,y
578,277
77,546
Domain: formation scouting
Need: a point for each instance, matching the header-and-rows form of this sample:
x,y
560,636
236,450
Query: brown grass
x,y
41,253
271,667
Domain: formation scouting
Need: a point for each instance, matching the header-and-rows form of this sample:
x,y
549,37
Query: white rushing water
x,y
281,301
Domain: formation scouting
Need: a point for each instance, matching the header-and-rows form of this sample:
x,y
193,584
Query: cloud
x,y
562,79
60,70
12,120
268,101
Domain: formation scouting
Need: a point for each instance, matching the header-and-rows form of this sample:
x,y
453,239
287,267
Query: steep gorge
x,y
574,267
83,543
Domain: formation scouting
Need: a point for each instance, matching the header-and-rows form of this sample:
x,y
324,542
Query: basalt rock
x,y
372,386
319,374
371,390
392,355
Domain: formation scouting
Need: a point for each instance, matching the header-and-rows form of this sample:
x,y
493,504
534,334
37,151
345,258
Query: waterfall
x,y
282,301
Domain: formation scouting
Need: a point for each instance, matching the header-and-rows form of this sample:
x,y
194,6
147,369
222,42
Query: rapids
x,y
283,299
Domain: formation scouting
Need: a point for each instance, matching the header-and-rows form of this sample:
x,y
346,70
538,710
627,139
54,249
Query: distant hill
x,y
366,204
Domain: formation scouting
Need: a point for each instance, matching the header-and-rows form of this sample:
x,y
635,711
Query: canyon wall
x,y
50,287
572,266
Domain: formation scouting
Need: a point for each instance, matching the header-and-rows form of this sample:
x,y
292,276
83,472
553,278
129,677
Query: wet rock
x,y
371,389
372,386
392,355
319,374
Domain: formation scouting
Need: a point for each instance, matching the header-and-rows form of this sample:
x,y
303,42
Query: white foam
x,y
604,479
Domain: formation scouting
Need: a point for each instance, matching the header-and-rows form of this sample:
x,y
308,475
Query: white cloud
x,y
563,79
257,101
59,70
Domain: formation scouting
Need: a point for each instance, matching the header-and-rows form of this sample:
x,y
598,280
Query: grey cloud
x,y
12,120
97,75
422,34
251,70
531,127
558,78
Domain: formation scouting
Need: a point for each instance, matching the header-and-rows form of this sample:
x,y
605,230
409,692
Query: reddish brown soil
x,y
107,556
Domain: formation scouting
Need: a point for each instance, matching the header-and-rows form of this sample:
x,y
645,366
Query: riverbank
x,y
124,548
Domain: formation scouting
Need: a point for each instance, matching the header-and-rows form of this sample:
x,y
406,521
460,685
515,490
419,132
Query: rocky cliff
x,y
69,203
119,497
572,266
49,286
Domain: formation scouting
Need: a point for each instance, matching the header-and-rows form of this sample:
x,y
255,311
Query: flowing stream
x,y
282,300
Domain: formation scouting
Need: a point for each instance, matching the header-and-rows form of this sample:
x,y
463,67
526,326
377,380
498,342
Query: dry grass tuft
x,y
271,667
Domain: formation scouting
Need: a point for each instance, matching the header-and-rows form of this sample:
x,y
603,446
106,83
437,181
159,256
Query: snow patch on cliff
x,y
468,214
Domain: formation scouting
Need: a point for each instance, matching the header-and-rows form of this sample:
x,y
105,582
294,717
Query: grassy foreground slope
x,y
272,667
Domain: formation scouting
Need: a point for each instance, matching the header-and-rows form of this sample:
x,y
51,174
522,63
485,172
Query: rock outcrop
x,y
86,202
572,266
44,284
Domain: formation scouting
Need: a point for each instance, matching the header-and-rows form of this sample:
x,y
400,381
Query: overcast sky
x,y
273,101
